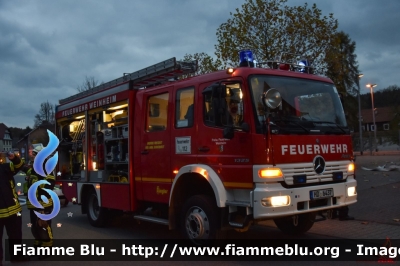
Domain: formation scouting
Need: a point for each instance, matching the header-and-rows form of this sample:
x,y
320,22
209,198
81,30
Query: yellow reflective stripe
x,y
47,243
50,177
238,184
12,167
11,208
30,206
7,212
19,165
155,179
50,233
15,193
29,171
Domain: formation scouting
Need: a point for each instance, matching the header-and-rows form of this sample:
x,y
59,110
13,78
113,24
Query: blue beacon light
x,y
303,64
246,58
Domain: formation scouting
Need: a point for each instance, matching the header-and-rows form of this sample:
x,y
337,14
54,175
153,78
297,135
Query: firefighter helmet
x,y
36,150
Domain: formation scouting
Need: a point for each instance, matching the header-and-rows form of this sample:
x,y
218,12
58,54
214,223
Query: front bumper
x,y
300,201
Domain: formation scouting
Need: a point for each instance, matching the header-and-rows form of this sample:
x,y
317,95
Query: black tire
x,y
97,215
199,220
296,225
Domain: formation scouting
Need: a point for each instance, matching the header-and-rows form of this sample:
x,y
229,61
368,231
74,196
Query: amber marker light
x,y
175,172
230,70
351,167
270,173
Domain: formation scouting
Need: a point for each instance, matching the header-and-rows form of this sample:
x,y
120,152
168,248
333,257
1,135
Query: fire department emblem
x,y
319,164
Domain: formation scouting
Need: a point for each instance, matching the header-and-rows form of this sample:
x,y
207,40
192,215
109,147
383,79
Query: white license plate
x,y
321,193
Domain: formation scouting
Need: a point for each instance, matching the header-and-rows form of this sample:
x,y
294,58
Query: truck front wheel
x,y
297,224
97,215
199,219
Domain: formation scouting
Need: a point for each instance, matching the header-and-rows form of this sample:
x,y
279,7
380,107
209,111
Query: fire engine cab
x,y
209,152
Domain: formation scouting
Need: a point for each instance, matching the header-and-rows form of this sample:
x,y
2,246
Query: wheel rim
x,y
197,224
94,207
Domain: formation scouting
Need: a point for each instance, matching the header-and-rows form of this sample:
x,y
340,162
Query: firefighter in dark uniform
x,y
10,209
41,230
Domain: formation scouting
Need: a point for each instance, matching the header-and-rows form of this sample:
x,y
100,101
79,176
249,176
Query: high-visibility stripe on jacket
x,y
14,209
9,204
19,165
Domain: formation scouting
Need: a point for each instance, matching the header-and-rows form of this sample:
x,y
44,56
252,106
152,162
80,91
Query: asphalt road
x,y
376,214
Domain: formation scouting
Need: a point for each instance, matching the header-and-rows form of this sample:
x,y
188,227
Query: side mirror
x,y
245,127
228,133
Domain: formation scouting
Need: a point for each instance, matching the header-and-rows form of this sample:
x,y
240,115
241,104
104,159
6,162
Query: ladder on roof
x,y
149,76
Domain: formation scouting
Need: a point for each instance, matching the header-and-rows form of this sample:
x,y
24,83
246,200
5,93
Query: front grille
x,y
290,170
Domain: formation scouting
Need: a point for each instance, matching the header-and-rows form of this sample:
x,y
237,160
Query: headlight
x,y
351,191
277,201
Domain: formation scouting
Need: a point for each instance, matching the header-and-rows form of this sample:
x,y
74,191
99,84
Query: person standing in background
x,y
41,229
10,209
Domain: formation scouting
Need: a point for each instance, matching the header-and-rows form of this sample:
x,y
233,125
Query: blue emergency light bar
x,y
246,58
303,63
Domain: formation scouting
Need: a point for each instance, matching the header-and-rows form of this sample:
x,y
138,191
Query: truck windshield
x,y
308,106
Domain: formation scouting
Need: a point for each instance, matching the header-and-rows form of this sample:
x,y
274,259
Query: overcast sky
x,y
48,47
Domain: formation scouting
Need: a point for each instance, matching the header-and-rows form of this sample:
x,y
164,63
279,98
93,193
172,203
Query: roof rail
x,y
155,74
290,61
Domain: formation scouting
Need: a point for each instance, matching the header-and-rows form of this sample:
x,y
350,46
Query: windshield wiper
x,y
331,123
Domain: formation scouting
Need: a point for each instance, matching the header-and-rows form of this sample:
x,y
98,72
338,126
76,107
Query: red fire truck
x,y
209,152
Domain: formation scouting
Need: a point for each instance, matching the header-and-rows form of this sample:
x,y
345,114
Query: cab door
x,y
156,174
223,108
184,131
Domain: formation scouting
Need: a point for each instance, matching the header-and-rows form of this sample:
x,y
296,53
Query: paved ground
x,y
377,212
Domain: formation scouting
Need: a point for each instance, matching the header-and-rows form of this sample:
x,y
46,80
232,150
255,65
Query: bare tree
x,y
46,114
89,83
206,63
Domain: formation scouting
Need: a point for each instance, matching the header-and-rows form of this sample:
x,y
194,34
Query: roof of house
x,y
382,114
44,125
3,129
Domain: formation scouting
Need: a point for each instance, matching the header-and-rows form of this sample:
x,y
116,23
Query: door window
x,y
184,113
223,105
157,110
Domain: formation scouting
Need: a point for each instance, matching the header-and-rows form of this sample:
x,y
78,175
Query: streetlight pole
x,y
399,133
359,114
372,86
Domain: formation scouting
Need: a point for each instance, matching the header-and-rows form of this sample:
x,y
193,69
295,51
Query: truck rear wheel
x,y
297,224
200,219
97,215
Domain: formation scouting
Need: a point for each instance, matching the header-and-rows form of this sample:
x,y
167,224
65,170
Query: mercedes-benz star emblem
x,y
319,164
